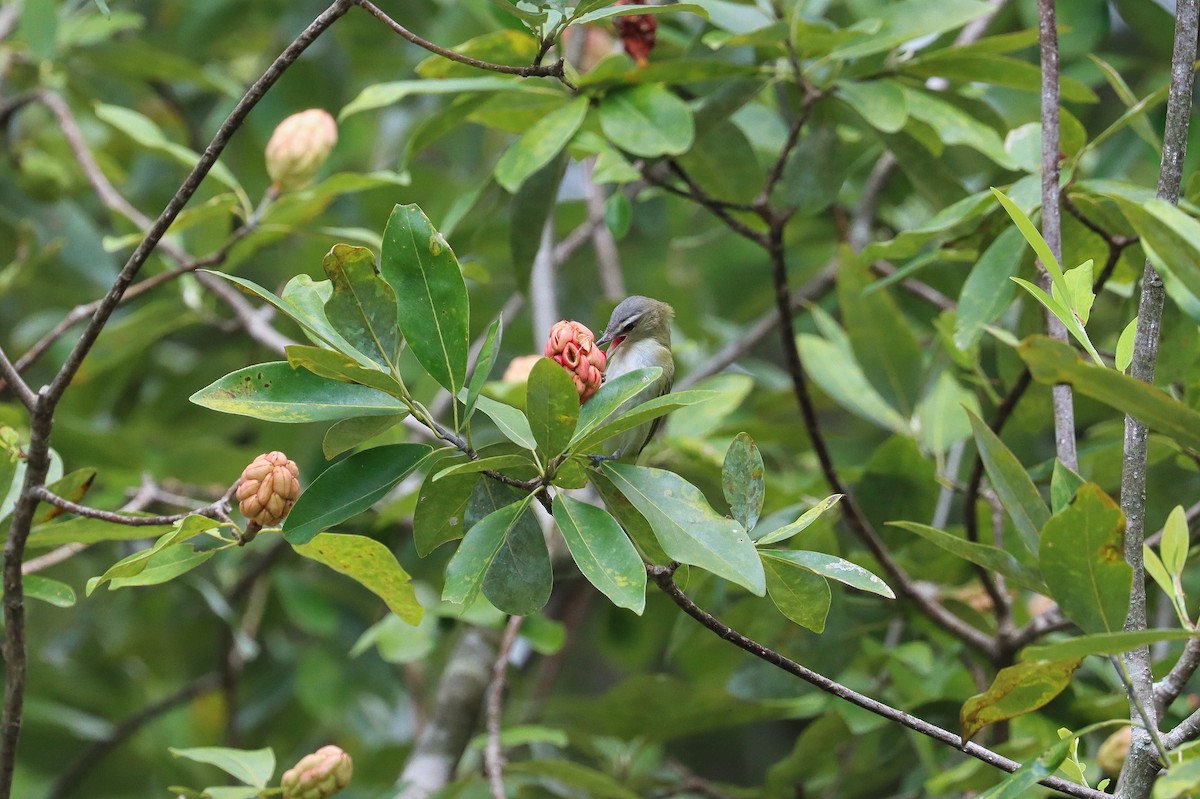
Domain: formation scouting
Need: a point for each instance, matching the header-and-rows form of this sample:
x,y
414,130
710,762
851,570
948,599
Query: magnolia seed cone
x,y
268,488
299,146
319,775
573,346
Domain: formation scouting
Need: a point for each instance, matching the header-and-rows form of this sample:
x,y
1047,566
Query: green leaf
x,y
962,66
1018,784
630,519
1082,557
834,369
1169,236
519,578
1015,691
612,395
689,530
531,207
369,563
165,565
363,305
639,414
381,95
581,779
1034,238
349,487
483,368
813,175
1064,314
987,291
1123,355
603,552
496,462
955,126
432,297
800,594
1079,284
648,120
1054,362
349,433
1175,541
904,21
832,567
800,525
538,145
56,593
479,548
276,392
441,511
1102,644
85,530
336,366
511,422
613,11
253,767
1010,480
73,487
1181,781
552,405
742,480
184,529
882,103
1064,482
989,557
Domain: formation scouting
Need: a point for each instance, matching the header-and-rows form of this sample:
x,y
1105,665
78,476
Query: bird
x,y
638,335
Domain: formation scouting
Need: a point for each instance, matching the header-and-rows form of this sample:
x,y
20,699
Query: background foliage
x,y
890,235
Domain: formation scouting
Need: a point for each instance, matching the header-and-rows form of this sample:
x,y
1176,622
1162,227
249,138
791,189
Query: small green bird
x,y
638,335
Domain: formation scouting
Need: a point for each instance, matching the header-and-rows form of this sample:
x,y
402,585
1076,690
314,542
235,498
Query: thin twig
x,y
662,576
1140,768
493,756
214,510
12,377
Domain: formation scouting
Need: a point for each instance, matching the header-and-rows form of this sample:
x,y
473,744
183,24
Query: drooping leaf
x,y
441,512
1053,362
1169,237
687,528
839,375
1082,557
349,487
630,519
604,554
519,579
73,487
431,295
1010,480
369,563
276,392
800,594
363,305
164,565
1015,691
53,592
989,557
638,414
342,368
648,120
552,405
253,767
185,529
742,480
538,146
86,530
478,550
832,567
532,206
882,103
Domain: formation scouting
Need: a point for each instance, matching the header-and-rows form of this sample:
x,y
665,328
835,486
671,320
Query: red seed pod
x,y
573,346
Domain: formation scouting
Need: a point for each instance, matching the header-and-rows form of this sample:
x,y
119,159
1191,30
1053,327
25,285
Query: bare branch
x,y
493,756
215,510
12,378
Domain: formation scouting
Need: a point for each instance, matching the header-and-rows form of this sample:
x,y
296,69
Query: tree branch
x,y
215,510
493,757
12,378
663,578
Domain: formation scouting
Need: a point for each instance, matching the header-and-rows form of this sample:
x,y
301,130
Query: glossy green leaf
x,y
1053,362
1171,236
496,462
1123,355
955,126
834,369
432,296
833,568
339,367
613,11
520,578
483,368
631,520
962,66
1180,782
800,594
1063,313
687,528
53,592
1010,480
1102,644
349,487
253,767
276,392
349,433
552,406
511,422
987,291
882,103
742,480
538,145
369,563
1015,691
989,557
639,414
73,487
800,525
381,95
1063,484
648,120
498,47
604,554
1018,784
479,548
363,306
163,566
612,395
1082,557
1175,541
185,529
441,511
906,20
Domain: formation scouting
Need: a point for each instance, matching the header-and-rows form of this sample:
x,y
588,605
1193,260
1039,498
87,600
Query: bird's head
x,y
635,319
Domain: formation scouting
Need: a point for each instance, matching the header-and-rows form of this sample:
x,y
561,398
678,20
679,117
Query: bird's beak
x,y
604,339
